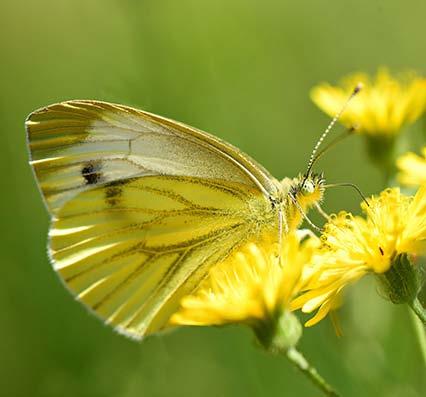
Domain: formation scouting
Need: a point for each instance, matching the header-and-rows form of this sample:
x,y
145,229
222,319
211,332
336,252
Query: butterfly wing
x,y
141,207
77,144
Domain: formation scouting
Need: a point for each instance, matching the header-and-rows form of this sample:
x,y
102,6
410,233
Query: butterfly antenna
x,y
353,186
334,142
313,157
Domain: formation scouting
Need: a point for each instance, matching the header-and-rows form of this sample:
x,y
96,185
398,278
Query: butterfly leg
x,y
304,216
322,212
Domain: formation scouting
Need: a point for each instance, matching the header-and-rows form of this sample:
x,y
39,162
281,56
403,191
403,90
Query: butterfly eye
x,y
308,187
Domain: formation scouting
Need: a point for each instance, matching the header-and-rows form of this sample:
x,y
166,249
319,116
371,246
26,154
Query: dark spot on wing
x,y
112,195
381,251
91,172
114,190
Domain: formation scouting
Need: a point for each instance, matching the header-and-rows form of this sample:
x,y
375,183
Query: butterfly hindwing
x,y
132,248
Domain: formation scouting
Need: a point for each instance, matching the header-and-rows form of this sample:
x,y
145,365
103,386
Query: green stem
x,y
420,311
418,316
303,365
381,150
419,330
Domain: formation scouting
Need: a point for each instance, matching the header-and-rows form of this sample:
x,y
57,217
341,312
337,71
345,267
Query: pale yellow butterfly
x,y
143,206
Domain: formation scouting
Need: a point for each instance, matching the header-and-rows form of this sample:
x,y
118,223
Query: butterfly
x,y
142,206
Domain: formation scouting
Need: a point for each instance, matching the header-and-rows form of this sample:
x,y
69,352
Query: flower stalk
x,y
419,330
280,337
381,151
297,359
420,311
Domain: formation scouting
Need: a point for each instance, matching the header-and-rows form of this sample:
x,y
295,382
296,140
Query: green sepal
x,y
402,282
280,333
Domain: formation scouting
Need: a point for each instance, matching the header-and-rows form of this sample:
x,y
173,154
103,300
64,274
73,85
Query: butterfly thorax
x,y
299,195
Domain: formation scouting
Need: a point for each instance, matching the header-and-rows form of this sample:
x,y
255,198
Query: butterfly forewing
x,y
141,207
77,144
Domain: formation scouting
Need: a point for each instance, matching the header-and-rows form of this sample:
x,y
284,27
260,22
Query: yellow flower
x,y
354,246
383,105
252,286
255,287
412,168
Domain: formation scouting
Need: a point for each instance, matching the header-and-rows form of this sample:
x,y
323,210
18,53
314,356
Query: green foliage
x,y
242,70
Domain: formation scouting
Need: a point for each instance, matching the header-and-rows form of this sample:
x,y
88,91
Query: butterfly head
x,y
302,193
308,189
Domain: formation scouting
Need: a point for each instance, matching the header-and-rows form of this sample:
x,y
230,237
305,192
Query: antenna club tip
x,y
358,88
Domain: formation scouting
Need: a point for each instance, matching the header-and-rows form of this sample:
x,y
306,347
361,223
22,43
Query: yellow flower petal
x,y
252,285
382,107
413,236
412,168
353,246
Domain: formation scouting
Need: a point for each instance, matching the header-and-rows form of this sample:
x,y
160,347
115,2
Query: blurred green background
x,y
241,69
